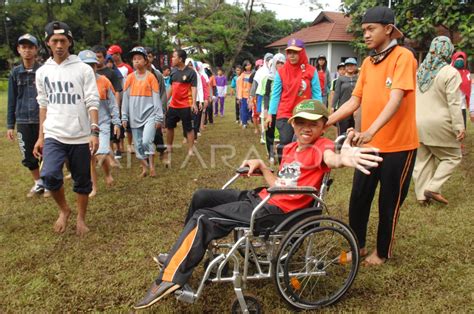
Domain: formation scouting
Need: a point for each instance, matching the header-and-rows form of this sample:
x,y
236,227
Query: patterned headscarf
x,y
438,56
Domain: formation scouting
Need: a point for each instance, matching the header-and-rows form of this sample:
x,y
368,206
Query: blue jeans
x,y
259,103
143,139
245,113
104,139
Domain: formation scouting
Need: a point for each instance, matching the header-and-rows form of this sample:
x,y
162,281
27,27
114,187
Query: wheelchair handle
x,y
245,170
338,142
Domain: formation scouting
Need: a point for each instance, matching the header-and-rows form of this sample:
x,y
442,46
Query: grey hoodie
x,y
68,91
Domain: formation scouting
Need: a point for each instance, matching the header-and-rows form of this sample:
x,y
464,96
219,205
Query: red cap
x,y
114,49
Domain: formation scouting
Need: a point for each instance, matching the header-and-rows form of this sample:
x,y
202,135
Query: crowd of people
x,y
76,111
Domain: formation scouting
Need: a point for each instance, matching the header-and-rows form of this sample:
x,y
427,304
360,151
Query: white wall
x,y
342,51
314,50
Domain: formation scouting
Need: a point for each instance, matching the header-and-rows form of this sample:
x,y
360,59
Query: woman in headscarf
x,y
294,82
439,122
459,61
206,93
275,64
199,101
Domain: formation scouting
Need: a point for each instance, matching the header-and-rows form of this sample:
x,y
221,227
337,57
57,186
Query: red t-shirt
x,y
322,81
123,66
300,168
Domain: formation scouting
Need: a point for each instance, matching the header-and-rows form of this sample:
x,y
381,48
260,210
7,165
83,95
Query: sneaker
x,y
160,259
156,293
118,154
271,161
47,193
37,189
237,121
244,126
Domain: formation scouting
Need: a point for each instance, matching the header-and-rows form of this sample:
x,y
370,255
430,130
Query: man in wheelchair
x,y
213,214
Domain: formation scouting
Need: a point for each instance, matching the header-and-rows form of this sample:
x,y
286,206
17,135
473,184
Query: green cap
x,y
309,109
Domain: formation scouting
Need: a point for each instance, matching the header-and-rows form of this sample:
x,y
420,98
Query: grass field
x,y
111,268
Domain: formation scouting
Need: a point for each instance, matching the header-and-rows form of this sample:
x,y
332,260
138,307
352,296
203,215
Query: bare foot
x,y
348,257
93,193
190,153
81,228
143,174
61,222
373,260
109,181
152,172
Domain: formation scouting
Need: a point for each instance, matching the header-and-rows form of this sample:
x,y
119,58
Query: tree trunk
x,y
101,22
245,34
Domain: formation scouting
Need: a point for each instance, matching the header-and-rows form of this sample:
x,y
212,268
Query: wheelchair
x,y
306,254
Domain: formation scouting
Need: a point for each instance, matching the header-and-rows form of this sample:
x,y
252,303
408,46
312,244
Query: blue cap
x,y
138,50
28,38
350,61
88,56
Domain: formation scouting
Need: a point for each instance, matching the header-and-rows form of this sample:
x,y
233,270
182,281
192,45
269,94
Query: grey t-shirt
x,y
343,91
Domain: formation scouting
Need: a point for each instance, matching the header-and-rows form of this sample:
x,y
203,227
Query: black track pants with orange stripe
x,y
207,224
394,174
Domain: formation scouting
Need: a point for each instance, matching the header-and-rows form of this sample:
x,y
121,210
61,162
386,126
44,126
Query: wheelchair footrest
x,y
185,294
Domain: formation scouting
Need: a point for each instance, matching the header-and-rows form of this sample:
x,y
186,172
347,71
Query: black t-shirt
x,y
113,78
181,83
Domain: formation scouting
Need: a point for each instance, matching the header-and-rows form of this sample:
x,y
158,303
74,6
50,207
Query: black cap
x,y
57,27
28,39
341,65
139,50
382,15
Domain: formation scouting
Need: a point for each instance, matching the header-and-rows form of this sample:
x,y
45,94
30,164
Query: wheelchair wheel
x,y
316,271
253,305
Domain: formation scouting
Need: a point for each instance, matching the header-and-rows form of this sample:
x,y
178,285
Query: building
x,y
328,36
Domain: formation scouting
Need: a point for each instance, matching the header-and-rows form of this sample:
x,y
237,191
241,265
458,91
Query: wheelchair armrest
x,y
244,170
292,190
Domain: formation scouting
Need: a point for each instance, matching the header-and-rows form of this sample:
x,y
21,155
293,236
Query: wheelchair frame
x,y
274,242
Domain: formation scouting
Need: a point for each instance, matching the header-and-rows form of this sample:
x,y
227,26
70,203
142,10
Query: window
x,y
313,61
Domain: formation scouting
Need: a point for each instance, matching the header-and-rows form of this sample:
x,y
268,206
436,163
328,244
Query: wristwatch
x,y
95,130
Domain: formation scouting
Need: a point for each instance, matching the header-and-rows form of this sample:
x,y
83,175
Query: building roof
x,y
328,26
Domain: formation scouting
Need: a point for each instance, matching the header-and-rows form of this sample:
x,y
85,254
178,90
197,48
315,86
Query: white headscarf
x,y
279,57
264,70
199,88
200,69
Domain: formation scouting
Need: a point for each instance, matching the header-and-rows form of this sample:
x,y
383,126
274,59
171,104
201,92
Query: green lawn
x,y
111,268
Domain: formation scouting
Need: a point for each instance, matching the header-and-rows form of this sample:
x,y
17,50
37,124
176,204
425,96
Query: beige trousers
x,y
433,167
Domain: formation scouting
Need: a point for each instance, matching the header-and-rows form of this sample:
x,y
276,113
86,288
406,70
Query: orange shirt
x,y
103,85
142,86
244,85
212,81
396,71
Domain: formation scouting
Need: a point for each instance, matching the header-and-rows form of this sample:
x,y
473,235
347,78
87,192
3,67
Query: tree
x,y
421,21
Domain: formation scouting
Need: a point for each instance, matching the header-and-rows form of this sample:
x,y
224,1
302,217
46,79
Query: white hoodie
x,y
68,91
